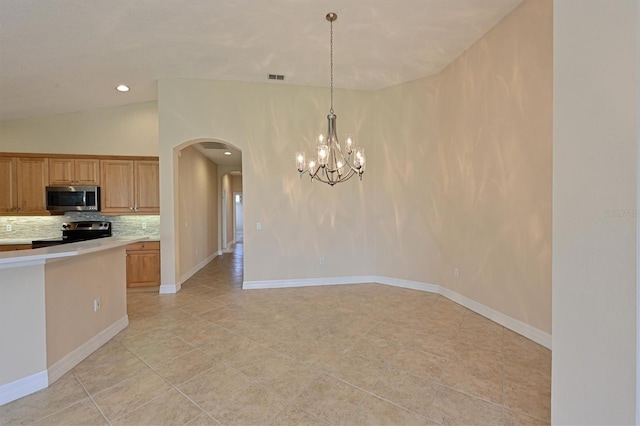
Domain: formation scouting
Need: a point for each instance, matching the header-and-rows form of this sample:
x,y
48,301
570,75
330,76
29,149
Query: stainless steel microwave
x,y
65,198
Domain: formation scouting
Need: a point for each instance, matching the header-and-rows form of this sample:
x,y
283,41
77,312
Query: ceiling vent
x,y
276,77
213,145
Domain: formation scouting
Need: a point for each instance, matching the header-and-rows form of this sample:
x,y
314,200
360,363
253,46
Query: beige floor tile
x,y
481,332
475,371
527,398
84,413
163,352
126,396
330,400
141,341
170,408
395,333
65,392
186,325
109,374
295,416
203,420
186,367
285,376
357,370
375,411
421,364
253,405
455,408
431,343
109,353
202,336
408,391
513,418
213,388
226,345
377,350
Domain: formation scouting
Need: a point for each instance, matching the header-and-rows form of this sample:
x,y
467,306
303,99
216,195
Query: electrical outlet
x,y
9,227
456,272
322,260
258,226
96,304
144,225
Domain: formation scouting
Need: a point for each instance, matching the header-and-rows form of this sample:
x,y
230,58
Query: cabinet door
x,y
147,187
32,178
60,171
117,186
8,186
87,171
143,267
74,171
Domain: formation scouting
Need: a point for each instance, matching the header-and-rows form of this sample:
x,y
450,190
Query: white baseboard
x,y
512,324
23,387
74,358
306,282
414,285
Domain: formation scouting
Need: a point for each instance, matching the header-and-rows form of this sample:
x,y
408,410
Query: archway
x,y
199,170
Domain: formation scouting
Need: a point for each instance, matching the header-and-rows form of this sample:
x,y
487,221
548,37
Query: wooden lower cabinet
x,y
143,264
13,247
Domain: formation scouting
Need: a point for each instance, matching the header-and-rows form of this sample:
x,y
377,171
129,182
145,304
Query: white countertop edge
x,y
19,258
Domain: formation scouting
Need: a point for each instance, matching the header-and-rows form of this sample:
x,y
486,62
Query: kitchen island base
x,y
55,311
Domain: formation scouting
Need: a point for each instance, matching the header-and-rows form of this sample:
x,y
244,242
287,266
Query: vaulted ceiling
x,y
60,56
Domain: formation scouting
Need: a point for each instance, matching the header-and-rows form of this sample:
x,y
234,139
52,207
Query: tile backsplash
x,y
39,227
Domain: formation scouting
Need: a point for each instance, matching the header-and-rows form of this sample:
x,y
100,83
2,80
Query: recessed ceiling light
x,y
122,88
227,153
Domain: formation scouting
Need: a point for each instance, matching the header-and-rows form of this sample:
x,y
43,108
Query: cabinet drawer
x,y
144,245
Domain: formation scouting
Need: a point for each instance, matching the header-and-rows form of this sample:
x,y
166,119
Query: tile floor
x,y
340,355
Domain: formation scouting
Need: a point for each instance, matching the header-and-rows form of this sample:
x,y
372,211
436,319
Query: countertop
x,y
17,241
18,258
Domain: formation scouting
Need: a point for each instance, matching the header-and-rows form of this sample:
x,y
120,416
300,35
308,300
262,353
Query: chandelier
x,y
332,165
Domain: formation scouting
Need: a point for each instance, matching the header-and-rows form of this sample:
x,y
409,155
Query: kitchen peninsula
x,y
57,305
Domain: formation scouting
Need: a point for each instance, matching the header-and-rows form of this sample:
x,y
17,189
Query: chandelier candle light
x,y
332,164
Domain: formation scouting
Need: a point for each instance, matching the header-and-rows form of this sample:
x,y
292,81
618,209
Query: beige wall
x,y
126,130
595,202
197,208
463,171
300,221
71,320
236,183
228,208
22,313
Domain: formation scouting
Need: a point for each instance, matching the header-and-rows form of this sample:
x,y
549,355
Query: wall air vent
x,y
276,77
213,145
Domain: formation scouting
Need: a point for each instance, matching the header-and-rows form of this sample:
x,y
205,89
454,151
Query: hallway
x,y
356,354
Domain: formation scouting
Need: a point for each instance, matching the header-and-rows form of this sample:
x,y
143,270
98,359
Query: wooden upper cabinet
x,y
32,177
147,191
130,187
8,186
70,171
117,186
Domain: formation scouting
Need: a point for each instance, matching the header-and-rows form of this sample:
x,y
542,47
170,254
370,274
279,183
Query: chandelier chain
x,y
331,50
